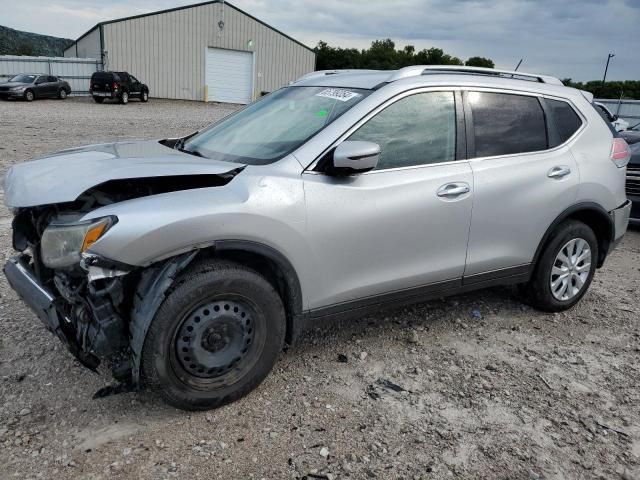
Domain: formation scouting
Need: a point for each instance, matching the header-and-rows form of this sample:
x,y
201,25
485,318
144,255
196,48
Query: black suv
x,y
120,85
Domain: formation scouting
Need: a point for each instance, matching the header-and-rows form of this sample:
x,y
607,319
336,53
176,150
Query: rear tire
x,y
98,99
29,96
124,98
215,337
565,268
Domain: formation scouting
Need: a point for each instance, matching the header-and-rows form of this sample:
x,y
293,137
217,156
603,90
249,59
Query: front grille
x,y
633,180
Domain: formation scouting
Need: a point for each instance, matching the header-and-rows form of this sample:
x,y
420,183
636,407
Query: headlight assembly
x,y
62,244
17,89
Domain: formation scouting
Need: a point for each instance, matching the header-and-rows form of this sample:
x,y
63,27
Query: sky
x,y
564,38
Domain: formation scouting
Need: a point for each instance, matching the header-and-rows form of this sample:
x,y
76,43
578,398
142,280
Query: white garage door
x,y
229,75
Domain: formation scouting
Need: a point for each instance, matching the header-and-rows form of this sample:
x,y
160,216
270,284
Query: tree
x,y
480,62
25,49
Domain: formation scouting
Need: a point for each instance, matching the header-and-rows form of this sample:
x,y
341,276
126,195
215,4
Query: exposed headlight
x,y
62,244
17,89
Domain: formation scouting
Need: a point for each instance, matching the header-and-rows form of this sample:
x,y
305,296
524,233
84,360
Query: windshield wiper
x,y
192,152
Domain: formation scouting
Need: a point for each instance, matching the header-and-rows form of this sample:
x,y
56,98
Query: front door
x,y
402,228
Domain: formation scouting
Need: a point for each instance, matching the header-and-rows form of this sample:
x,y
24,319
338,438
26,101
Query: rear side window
x,y
566,121
52,79
506,124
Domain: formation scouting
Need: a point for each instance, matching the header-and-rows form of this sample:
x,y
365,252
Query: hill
x,y
15,42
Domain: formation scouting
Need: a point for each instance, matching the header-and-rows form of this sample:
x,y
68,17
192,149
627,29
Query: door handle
x,y
453,190
559,172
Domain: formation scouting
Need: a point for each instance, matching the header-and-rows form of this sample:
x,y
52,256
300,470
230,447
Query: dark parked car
x,y
29,86
633,183
117,85
631,136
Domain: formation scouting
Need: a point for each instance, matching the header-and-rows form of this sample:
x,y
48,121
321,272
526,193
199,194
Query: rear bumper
x,y
620,221
104,94
33,294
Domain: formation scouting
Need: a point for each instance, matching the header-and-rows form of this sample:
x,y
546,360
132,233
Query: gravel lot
x,y
489,388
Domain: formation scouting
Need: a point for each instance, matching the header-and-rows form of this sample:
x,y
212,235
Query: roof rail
x,y
323,73
417,70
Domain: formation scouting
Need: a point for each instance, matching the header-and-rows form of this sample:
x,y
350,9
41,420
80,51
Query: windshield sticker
x,y
322,113
338,94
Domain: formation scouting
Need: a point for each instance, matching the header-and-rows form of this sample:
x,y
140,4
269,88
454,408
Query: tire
x,y
545,289
29,96
124,98
98,99
215,337
144,96
62,94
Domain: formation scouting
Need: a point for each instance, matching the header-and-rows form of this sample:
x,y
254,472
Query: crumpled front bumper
x,y
38,298
43,303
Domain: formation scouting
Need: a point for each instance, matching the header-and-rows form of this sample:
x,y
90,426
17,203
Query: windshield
x,y
23,78
275,126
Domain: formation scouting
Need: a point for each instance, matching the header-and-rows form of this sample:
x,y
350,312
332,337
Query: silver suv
x,y
186,264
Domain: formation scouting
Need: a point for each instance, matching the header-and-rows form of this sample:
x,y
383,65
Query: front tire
x,y
215,337
29,96
144,96
565,269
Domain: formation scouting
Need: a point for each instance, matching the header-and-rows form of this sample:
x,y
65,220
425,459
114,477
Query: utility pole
x,y
604,78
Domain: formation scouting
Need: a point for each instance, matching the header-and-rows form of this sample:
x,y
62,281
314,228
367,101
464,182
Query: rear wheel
x,y
565,268
215,337
124,98
98,99
62,94
29,96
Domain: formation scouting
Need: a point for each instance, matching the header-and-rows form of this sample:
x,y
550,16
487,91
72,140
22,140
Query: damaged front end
x,y
98,307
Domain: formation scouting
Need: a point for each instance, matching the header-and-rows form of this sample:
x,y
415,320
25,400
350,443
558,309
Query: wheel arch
x,y
271,264
590,214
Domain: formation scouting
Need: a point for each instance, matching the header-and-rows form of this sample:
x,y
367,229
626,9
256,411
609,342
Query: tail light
x,y
115,86
620,152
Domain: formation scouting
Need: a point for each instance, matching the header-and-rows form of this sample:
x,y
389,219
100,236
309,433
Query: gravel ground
x,y
474,386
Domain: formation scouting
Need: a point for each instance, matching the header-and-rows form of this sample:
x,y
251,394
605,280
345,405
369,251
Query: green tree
x,y
480,62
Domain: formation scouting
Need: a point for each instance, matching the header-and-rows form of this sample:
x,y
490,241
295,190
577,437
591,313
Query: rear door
x,y
40,86
53,85
524,175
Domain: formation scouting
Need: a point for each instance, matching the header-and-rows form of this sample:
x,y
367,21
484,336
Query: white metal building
x,y
209,51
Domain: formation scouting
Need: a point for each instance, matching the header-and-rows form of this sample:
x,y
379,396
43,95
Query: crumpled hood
x,y
64,176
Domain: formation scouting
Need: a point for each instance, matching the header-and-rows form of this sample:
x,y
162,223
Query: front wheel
x,y
29,96
214,338
144,96
565,268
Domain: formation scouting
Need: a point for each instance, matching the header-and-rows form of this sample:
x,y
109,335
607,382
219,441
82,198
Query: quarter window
x,y
506,124
566,120
416,130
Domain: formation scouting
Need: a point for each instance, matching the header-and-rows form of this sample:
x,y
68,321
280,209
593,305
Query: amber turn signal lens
x,y
93,234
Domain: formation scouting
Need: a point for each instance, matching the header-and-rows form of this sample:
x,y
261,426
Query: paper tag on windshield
x,y
338,94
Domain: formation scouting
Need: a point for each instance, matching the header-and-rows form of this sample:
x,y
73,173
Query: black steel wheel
x,y
215,337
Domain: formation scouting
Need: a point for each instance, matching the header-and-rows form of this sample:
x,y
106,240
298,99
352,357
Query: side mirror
x,y
351,157
615,118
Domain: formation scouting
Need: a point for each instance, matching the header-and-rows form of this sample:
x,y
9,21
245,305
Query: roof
x,y
184,7
434,74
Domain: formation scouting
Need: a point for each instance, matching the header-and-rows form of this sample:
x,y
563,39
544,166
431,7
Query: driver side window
x,y
416,130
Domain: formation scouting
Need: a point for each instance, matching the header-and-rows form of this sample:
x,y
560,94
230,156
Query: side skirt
x,y
360,307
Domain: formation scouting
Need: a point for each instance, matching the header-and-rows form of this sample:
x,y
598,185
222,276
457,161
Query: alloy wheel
x,y
570,269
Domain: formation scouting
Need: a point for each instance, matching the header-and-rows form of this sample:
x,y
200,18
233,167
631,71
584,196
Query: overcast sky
x,y
565,38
